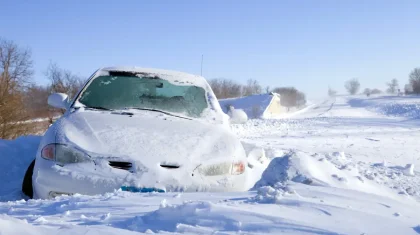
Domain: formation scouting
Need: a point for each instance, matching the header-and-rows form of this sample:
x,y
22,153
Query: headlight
x,y
225,168
63,154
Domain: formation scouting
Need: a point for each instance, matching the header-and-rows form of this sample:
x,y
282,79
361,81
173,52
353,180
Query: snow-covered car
x,y
138,130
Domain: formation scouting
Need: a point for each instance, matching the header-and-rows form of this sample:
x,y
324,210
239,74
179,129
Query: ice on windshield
x,y
120,92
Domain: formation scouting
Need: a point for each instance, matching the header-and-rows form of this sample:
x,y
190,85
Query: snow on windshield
x,y
211,113
121,92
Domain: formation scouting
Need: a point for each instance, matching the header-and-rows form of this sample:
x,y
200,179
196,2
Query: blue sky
x,y
308,44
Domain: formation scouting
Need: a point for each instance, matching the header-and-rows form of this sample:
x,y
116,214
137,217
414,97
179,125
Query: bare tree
x,y
367,92
290,97
352,86
392,86
225,88
415,80
15,74
35,98
375,91
252,87
331,92
300,99
63,80
408,89
16,67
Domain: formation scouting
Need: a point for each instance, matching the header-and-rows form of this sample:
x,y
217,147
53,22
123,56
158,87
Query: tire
x,y
27,181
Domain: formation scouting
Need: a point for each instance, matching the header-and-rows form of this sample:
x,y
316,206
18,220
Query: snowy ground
x,y
338,167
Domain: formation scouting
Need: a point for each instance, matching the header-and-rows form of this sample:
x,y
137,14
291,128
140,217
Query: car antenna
x,y
202,57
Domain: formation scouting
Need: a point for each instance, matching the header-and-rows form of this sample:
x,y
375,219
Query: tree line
x,y
352,86
20,98
227,88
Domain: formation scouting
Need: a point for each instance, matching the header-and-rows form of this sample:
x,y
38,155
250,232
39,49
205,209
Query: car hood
x,y
149,138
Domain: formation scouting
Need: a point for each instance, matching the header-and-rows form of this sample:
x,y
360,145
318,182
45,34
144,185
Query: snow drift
x,y
396,106
15,156
333,170
339,168
254,105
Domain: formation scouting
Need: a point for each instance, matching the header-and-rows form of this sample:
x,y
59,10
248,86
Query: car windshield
x,y
147,92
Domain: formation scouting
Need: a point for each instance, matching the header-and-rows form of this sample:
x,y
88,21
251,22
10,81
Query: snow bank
x,y
405,110
333,170
15,156
397,106
254,105
302,168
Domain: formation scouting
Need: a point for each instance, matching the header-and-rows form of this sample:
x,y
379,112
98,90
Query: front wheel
x,y
27,181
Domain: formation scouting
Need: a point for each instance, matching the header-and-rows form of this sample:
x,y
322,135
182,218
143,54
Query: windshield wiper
x,y
160,111
106,109
97,108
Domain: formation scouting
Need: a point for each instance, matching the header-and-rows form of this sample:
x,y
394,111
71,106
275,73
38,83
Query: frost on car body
x,y
140,128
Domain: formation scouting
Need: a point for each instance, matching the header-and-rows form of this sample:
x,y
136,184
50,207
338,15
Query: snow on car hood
x,y
148,137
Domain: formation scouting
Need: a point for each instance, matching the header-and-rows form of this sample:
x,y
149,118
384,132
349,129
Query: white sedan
x,y
138,130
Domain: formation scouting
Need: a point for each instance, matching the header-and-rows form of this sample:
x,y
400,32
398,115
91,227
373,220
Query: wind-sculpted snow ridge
x,y
339,171
188,217
308,169
226,217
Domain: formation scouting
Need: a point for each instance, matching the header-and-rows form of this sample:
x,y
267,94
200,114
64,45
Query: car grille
x,y
121,165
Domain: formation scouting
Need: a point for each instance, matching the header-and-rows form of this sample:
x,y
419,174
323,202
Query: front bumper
x,y
50,179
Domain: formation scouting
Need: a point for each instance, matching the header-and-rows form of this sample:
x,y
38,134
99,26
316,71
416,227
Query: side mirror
x,y
58,100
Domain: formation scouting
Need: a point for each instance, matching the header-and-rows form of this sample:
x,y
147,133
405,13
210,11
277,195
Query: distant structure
x,y
256,106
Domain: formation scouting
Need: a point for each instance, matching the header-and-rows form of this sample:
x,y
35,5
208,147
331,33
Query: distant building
x,y
256,106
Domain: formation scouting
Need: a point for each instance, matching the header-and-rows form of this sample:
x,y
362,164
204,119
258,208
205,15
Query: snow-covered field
x,y
337,167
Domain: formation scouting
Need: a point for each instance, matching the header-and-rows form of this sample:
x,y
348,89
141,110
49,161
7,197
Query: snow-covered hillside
x,y
337,167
